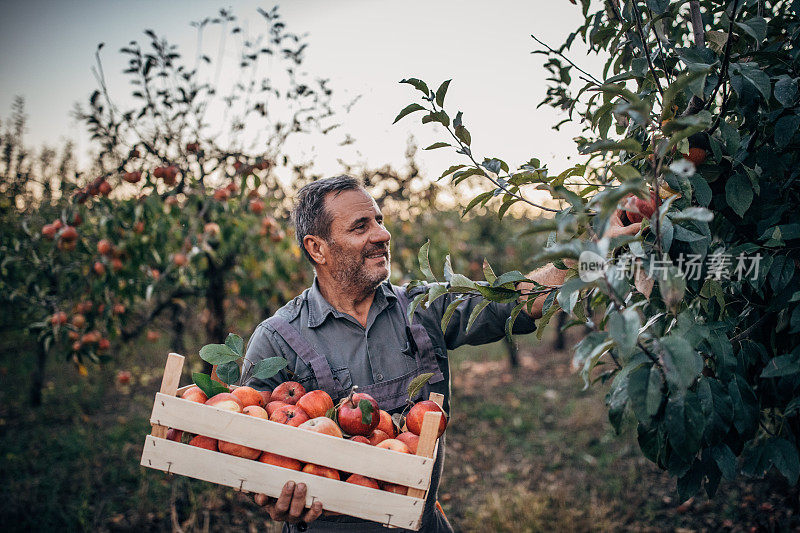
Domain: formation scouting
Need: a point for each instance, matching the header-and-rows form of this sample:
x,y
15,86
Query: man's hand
x,y
290,505
551,276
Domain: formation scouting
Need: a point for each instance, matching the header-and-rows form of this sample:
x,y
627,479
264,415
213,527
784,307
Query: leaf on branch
x,y
441,91
608,145
218,354
438,116
269,367
418,84
235,343
411,108
450,171
475,312
463,135
451,308
209,386
424,262
434,146
228,373
416,385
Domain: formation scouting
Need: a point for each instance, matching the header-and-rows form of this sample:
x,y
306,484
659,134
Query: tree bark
x,y
38,376
559,342
513,355
178,328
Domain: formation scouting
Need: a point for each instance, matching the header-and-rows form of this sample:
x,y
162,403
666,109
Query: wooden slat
x,y
169,386
428,437
306,446
253,476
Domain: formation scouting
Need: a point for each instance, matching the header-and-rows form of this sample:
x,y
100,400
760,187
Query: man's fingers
x,y
298,501
313,513
284,500
261,499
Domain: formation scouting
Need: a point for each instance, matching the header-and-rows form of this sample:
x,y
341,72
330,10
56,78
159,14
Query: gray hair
x,y
310,216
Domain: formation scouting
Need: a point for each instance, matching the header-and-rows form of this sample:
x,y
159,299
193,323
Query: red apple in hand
x,y
315,403
417,413
355,421
288,392
291,415
322,424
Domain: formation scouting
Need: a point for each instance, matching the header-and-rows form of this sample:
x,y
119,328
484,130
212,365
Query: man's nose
x,y
381,234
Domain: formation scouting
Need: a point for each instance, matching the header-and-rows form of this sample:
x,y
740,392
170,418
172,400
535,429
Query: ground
x,y
528,450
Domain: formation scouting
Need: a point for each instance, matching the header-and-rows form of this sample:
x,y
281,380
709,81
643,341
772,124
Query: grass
x,y
528,450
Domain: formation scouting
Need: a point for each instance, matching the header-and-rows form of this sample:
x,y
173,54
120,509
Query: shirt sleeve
x,y
488,327
262,345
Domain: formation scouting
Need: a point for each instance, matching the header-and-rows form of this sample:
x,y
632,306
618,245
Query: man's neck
x,y
345,299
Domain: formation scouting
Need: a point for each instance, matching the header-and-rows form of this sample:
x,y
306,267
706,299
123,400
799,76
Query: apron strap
x,y
421,343
319,365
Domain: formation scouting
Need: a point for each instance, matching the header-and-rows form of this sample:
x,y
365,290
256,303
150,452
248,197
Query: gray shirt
x,y
361,355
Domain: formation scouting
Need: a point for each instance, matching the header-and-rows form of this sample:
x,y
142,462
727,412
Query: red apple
x,y
291,415
132,177
238,450
417,413
410,439
280,460
226,401
288,392
319,470
201,441
194,394
266,397
393,487
104,247
387,424
255,410
174,434
322,424
315,403
248,396
123,377
364,481
377,436
349,414
273,406
360,438
394,445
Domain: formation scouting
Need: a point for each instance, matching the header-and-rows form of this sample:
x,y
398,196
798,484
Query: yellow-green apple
x,y
227,401
238,450
364,481
377,435
411,440
315,403
195,394
387,425
248,396
280,460
322,424
319,470
291,415
273,406
288,392
351,417
257,411
201,441
394,445
417,413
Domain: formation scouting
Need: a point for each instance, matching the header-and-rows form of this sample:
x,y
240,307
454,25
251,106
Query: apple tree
x,y
692,128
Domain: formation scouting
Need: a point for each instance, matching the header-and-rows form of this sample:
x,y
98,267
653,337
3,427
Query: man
x,y
350,328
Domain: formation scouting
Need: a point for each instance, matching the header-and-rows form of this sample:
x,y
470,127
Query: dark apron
x,y
391,395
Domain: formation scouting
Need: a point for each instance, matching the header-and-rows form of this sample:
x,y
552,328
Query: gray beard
x,y
351,273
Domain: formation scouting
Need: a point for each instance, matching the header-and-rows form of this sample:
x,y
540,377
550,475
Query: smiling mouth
x,y
384,255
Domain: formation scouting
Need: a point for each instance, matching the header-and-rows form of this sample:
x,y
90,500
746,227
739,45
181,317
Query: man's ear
x,y
316,248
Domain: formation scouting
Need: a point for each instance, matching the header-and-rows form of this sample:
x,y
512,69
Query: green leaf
x,y
702,191
484,196
413,306
228,373
441,91
781,272
786,91
512,318
434,146
677,87
755,27
745,406
450,171
488,273
461,175
515,276
568,294
785,128
460,281
209,386
475,312
684,422
753,73
776,452
782,365
435,291
682,364
624,329
235,343
448,313
269,367
644,391
463,135
418,84
366,411
608,145
417,384
218,354
424,263
725,459
411,108
438,116
739,193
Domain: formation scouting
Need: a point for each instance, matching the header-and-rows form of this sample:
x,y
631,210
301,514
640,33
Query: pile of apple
x,y
290,404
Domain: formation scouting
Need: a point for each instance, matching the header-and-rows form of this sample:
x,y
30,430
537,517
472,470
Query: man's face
x,y
359,243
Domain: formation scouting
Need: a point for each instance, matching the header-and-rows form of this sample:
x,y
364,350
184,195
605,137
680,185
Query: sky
x,y
365,47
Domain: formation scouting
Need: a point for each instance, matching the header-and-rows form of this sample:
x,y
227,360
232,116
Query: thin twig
x,y
723,71
646,49
568,60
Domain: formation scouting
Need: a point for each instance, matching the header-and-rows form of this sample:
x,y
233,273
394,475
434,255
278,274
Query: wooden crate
x,y
414,471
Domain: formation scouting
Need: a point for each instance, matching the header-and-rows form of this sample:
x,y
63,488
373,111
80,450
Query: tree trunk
x,y
38,376
559,342
513,356
178,327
